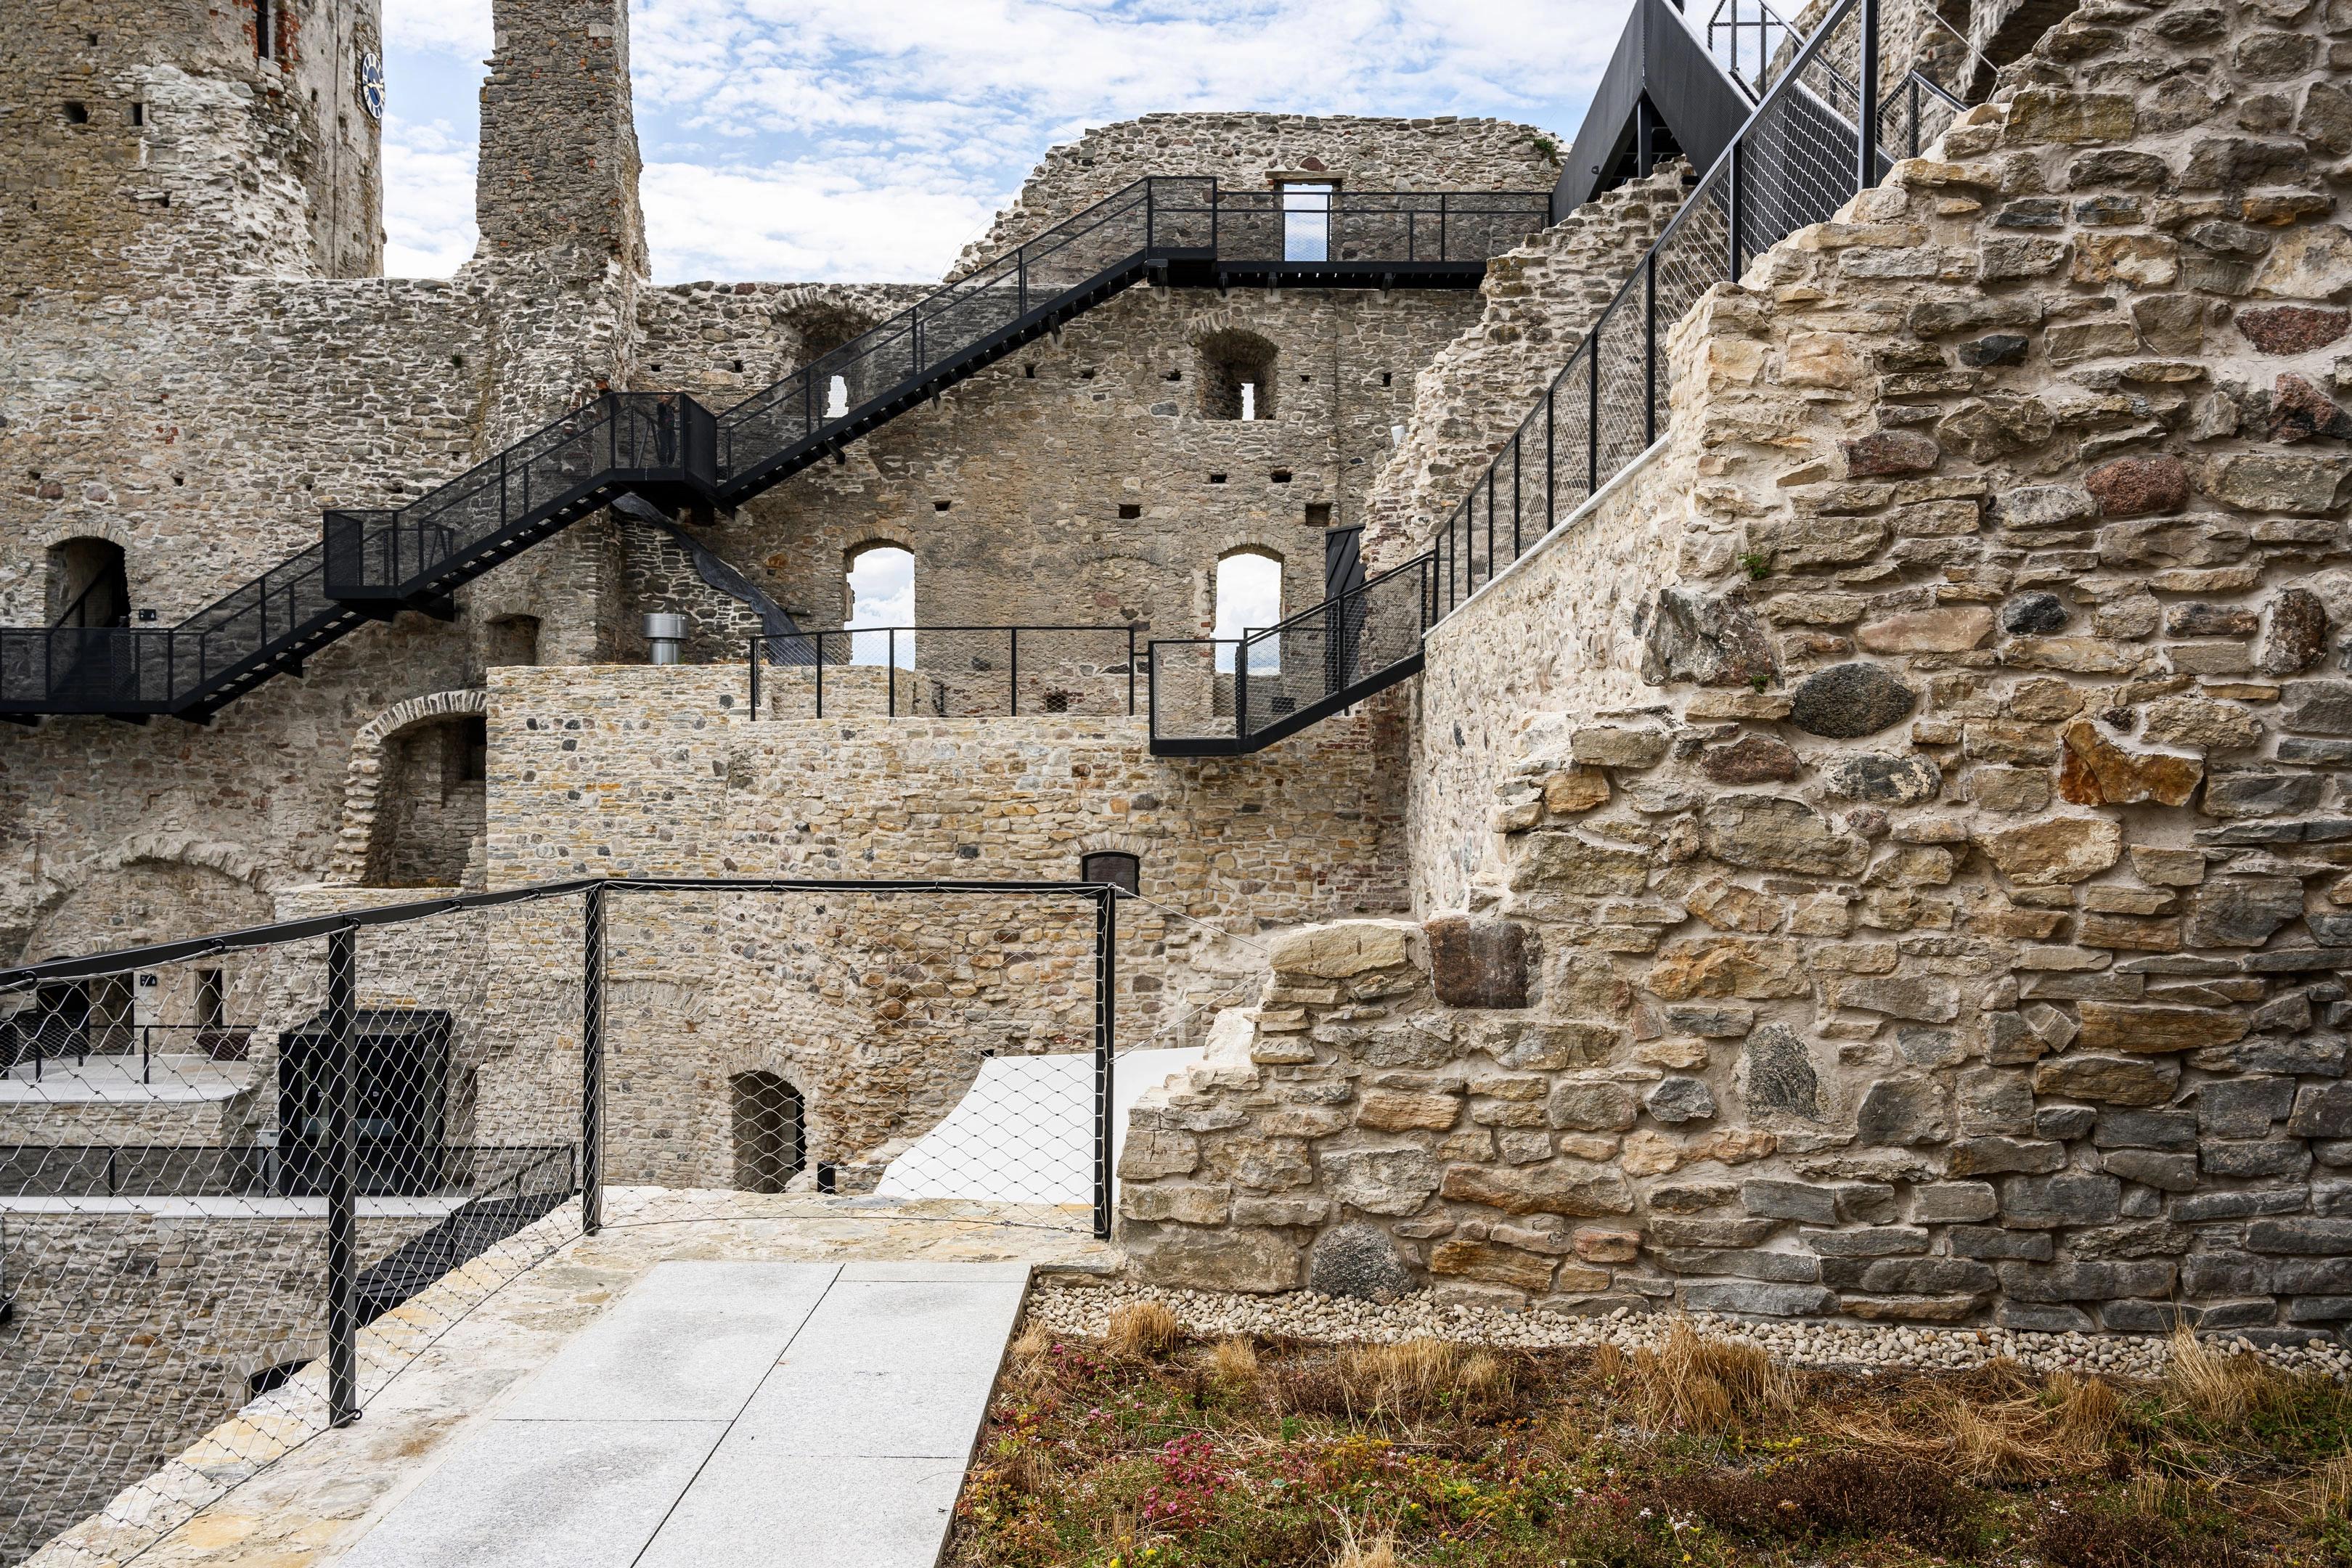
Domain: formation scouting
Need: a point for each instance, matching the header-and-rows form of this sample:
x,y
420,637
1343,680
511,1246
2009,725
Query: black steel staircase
x,y
1820,129
669,449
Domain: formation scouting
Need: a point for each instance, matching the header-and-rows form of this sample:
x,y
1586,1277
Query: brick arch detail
x,y
364,777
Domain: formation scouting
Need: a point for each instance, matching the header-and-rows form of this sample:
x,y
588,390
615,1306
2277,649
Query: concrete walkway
x,y
724,1413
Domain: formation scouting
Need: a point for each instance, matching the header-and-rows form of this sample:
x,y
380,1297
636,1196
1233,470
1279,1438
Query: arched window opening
x,y
430,804
836,397
771,1132
513,639
1249,598
1121,870
1236,375
879,591
89,585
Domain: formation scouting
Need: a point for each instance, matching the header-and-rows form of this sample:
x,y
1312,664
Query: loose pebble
x,y
1084,1309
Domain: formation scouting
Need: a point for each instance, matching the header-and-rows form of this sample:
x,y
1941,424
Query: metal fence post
x,y
820,675
1013,674
755,681
1732,215
1866,172
592,1062
889,670
1105,1025
1130,670
1593,409
342,1178
1650,350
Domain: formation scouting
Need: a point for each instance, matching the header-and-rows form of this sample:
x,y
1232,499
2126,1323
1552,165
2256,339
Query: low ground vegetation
x,y
1150,1448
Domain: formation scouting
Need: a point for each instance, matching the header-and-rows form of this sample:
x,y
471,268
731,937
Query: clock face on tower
x,y
372,82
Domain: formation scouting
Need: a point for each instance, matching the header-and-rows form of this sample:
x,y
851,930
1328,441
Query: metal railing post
x,y
1013,660
1130,669
1866,172
1731,222
889,670
820,675
755,681
342,1178
592,1062
1105,1031
1551,463
1650,350
1592,408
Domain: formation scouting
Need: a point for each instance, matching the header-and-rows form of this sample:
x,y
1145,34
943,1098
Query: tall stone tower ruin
x,y
146,141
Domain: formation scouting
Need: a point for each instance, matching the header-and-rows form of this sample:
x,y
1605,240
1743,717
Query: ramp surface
x,y
727,1414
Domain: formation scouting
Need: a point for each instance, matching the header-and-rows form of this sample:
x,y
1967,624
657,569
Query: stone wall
x,y
132,1334
1922,901
1537,304
1254,152
148,143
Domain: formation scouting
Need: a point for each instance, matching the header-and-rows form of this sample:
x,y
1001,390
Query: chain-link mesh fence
x,y
246,1180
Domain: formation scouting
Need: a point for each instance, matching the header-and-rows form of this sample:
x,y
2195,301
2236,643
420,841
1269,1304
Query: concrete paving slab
x,y
690,1342
523,1494
755,1506
918,1270
888,1369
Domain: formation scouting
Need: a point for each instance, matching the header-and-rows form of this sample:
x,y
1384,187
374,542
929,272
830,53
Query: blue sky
x,y
869,140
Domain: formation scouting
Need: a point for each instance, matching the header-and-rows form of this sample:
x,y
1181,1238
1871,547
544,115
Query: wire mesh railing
x,y
946,672
245,1179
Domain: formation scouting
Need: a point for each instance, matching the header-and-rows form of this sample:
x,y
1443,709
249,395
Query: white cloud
x,y
871,138
449,26
807,221
428,208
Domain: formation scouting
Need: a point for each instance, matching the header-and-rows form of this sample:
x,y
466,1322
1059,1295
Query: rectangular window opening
x,y
77,113
264,29
1318,514
212,999
138,114
1307,221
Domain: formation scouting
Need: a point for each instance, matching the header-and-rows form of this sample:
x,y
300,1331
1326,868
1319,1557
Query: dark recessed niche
x,y
738,367
1128,509
942,505
1280,476
1213,479
1385,378
77,113
1318,514
1306,378
1086,376
1029,371
179,479
1173,375
655,368
138,114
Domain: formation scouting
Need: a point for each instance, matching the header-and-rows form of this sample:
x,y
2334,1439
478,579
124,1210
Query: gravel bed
x,y
1084,1309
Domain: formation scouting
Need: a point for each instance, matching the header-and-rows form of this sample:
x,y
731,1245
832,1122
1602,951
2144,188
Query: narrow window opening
x,y
1029,371
212,999
771,1132
836,397
1385,378
1122,871
1129,511
264,29
473,751
1249,599
738,367
138,114
1236,375
77,113
1307,221
878,590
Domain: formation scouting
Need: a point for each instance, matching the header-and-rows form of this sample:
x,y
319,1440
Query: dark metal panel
x,y
1660,58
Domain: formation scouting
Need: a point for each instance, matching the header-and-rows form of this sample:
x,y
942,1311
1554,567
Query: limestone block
x,y
1343,948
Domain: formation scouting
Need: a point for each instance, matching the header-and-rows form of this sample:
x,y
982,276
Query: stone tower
x,y
559,160
144,142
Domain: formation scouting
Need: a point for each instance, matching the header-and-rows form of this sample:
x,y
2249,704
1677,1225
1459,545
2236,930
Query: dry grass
x,y
1354,1553
2221,1387
1419,1377
1695,1383
1234,1361
1997,1427
1142,1330
2322,1498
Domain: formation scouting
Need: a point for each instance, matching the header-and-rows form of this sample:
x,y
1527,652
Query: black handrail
x,y
371,565
817,649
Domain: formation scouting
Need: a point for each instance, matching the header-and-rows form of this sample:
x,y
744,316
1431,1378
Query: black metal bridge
x,y
677,454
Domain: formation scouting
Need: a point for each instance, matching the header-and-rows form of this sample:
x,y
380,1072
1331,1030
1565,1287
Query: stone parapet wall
x,y
1250,151
1924,879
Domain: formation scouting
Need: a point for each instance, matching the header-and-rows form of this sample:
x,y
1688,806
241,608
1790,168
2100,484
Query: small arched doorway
x,y
89,584
771,1131
1249,598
